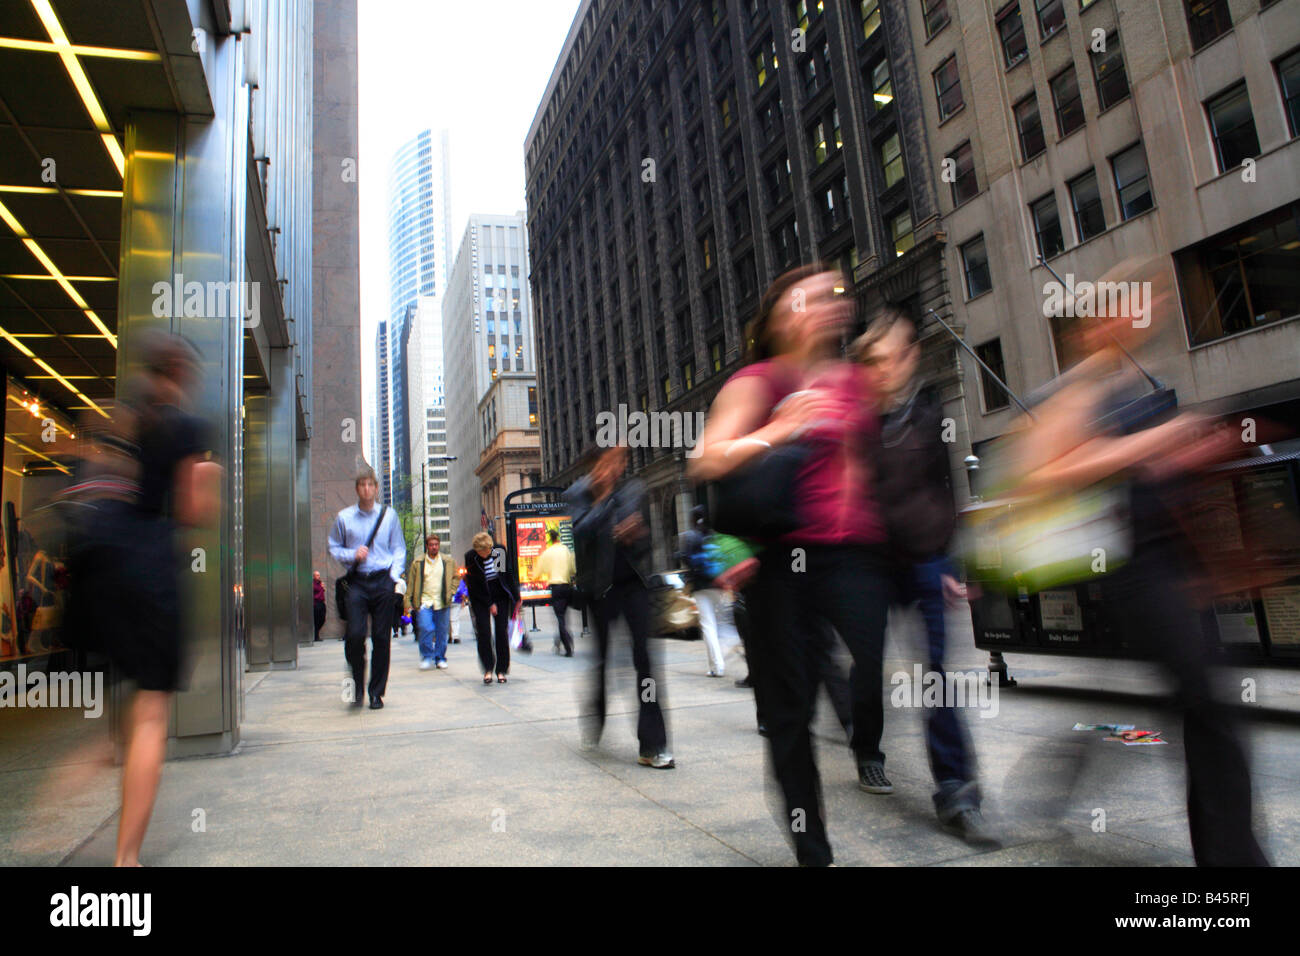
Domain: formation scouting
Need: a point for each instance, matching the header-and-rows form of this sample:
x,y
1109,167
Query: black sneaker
x,y
745,682
872,779
971,827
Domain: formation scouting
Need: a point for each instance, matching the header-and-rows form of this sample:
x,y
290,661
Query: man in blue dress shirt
x,y
374,571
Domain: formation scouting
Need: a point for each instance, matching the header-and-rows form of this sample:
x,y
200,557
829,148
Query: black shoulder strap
x,y
375,530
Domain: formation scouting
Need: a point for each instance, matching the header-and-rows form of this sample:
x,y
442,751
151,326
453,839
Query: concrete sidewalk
x,y
452,772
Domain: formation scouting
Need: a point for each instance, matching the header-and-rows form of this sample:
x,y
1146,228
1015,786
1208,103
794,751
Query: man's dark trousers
x,y
632,600
370,596
560,594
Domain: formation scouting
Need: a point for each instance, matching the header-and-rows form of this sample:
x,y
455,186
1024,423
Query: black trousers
x,y
318,614
631,600
486,626
560,594
790,603
373,598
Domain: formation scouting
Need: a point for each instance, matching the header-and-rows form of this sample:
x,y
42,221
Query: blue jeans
x,y
431,630
950,758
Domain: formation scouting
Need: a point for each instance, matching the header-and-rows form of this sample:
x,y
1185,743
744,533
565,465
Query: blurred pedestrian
x,y
128,581
611,531
318,601
432,577
913,487
491,603
703,567
795,391
369,544
555,569
1092,427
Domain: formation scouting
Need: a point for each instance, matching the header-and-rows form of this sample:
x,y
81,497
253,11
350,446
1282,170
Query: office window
x,y
688,376
870,14
965,185
1012,31
724,111
891,160
1047,226
818,139
706,251
834,203
975,263
993,395
1085,197
715,355
799,14
1288,76
769,118
1029,127
1243,278
1207,20
900,228
936,16
1232,126
947,87
667,384
1108,72
1051,16
1065,96
765,62
1132,182
882,86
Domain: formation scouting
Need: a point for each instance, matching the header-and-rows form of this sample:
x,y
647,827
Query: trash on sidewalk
x,y
1114,728
1138,738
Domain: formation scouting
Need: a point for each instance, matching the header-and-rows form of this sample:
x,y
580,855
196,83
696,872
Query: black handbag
x,y
344,584
760,499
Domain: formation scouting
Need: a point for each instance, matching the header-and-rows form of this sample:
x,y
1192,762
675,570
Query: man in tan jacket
x,y
430,584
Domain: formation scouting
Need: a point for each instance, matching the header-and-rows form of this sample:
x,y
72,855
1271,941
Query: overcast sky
x,y
477,69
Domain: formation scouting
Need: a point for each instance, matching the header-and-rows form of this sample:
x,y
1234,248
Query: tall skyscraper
x,y
486,330
418,213
427,416
383,463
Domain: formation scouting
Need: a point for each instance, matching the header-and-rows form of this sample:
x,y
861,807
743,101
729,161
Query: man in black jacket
x,y
611,536
913,487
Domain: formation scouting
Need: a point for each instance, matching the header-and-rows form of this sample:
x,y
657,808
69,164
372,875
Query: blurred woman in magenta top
x,y
833,568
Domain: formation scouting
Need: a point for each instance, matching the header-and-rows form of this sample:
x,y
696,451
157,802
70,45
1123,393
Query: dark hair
x,y
758,333
890,316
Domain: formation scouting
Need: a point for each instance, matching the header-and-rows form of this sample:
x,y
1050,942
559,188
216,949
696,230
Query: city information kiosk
x,y
527,524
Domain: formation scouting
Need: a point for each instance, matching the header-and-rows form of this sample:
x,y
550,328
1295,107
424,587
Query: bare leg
x,y
145,751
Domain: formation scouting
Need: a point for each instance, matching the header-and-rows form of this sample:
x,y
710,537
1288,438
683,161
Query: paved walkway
x,y
451,772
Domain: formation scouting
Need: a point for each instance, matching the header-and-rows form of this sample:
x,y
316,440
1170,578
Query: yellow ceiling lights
x,y
55,274
18,344
112,53
33,451
80,81
51,190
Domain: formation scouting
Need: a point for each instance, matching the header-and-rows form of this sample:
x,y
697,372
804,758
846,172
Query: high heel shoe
x,y
501,678
487,678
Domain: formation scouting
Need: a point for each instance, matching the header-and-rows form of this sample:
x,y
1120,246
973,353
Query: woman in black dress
x,y
131,583
491,601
